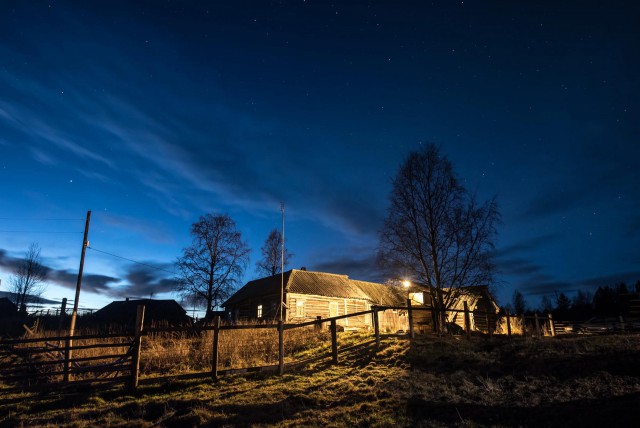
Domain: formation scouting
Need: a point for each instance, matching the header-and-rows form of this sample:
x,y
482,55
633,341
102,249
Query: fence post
x,y
506,311
63,312
537,324
318,326
280,347
137,342
524,325
334,342
410,313
621,322
467,320
552,326
214,356
376,326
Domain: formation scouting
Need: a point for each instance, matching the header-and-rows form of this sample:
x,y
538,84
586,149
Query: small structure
x,y
308,295
157,313
7,308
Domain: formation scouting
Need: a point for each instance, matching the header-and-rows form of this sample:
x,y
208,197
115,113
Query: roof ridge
x,y
321,273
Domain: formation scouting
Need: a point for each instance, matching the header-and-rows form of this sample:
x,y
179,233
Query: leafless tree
x,y
28,283
436,232
271,262
214,263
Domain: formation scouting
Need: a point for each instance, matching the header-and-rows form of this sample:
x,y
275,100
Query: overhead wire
x,y
132,261
34,231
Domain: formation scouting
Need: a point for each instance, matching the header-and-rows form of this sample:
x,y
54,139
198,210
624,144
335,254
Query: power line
x,y
41,219
33,231
132,261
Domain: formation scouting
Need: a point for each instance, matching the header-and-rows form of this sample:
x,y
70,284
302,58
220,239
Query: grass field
x,y
564,381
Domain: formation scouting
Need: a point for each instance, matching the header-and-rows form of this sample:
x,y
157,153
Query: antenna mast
x,y
282,265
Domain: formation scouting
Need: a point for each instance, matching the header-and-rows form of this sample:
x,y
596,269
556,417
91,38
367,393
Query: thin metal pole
x,y
282,265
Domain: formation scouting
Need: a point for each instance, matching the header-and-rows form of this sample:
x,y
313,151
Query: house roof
x,y
319,284
7,307
155,310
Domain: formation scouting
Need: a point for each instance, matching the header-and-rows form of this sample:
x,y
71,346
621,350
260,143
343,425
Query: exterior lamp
x,y
406,283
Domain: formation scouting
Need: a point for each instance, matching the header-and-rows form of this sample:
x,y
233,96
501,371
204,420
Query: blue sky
x,y
151,114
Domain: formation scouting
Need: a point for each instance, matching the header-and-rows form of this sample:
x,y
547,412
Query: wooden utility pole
x,y
74,314
85,244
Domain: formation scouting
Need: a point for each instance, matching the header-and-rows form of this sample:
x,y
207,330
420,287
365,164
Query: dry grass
x,y
186,352
565,381
173,353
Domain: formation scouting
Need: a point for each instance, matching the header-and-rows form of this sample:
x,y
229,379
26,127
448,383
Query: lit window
x,y
417,298
259,311
300,308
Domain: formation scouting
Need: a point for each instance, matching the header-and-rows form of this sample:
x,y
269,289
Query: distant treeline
x,y
607,301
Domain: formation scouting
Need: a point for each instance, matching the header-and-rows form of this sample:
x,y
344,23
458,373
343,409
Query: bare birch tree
x,y
214,263
436,232
27,284
271,262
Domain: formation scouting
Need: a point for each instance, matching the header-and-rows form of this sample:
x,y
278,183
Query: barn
x,y
308,295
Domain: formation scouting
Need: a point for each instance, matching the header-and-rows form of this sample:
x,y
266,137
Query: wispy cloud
x,y
151,230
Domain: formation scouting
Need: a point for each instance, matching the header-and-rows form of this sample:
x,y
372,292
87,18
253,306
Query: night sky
x,y
151,114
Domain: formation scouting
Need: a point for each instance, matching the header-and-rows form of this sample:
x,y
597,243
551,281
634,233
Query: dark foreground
x,y
565,381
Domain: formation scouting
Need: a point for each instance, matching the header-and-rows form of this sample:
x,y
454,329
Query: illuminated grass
x,y
429,382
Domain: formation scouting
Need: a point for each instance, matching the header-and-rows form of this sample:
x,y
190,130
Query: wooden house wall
x,y
392,321
248,309
319,306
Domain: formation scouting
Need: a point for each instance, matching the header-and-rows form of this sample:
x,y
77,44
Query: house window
x,y
259,311
417,298
333,309
300,308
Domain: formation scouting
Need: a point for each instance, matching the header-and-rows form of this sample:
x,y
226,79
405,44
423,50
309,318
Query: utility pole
x,y
69,342
85,244
282,266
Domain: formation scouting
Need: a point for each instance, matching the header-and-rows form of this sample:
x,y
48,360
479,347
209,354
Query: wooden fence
x,y
64,360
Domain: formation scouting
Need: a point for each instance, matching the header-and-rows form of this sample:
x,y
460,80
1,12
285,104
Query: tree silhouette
x,y
271,261
563,304
28,281
436,231
518,302
214,263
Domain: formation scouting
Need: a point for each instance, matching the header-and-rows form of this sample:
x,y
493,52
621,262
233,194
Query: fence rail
x,y
39,362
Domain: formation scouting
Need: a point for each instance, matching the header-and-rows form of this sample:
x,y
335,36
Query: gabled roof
x,y
155,310
318,284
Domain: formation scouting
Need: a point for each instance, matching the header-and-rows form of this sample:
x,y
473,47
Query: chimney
x,y
303,268
126,299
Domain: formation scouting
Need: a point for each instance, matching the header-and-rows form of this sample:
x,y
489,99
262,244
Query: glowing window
x,y
300,308
417,298
259,311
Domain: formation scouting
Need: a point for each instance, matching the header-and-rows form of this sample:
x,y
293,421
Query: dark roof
x,y
124,312
318,284
7,307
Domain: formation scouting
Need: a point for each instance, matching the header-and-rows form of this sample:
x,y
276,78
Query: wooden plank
x,y
334,341
280,347
60,338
